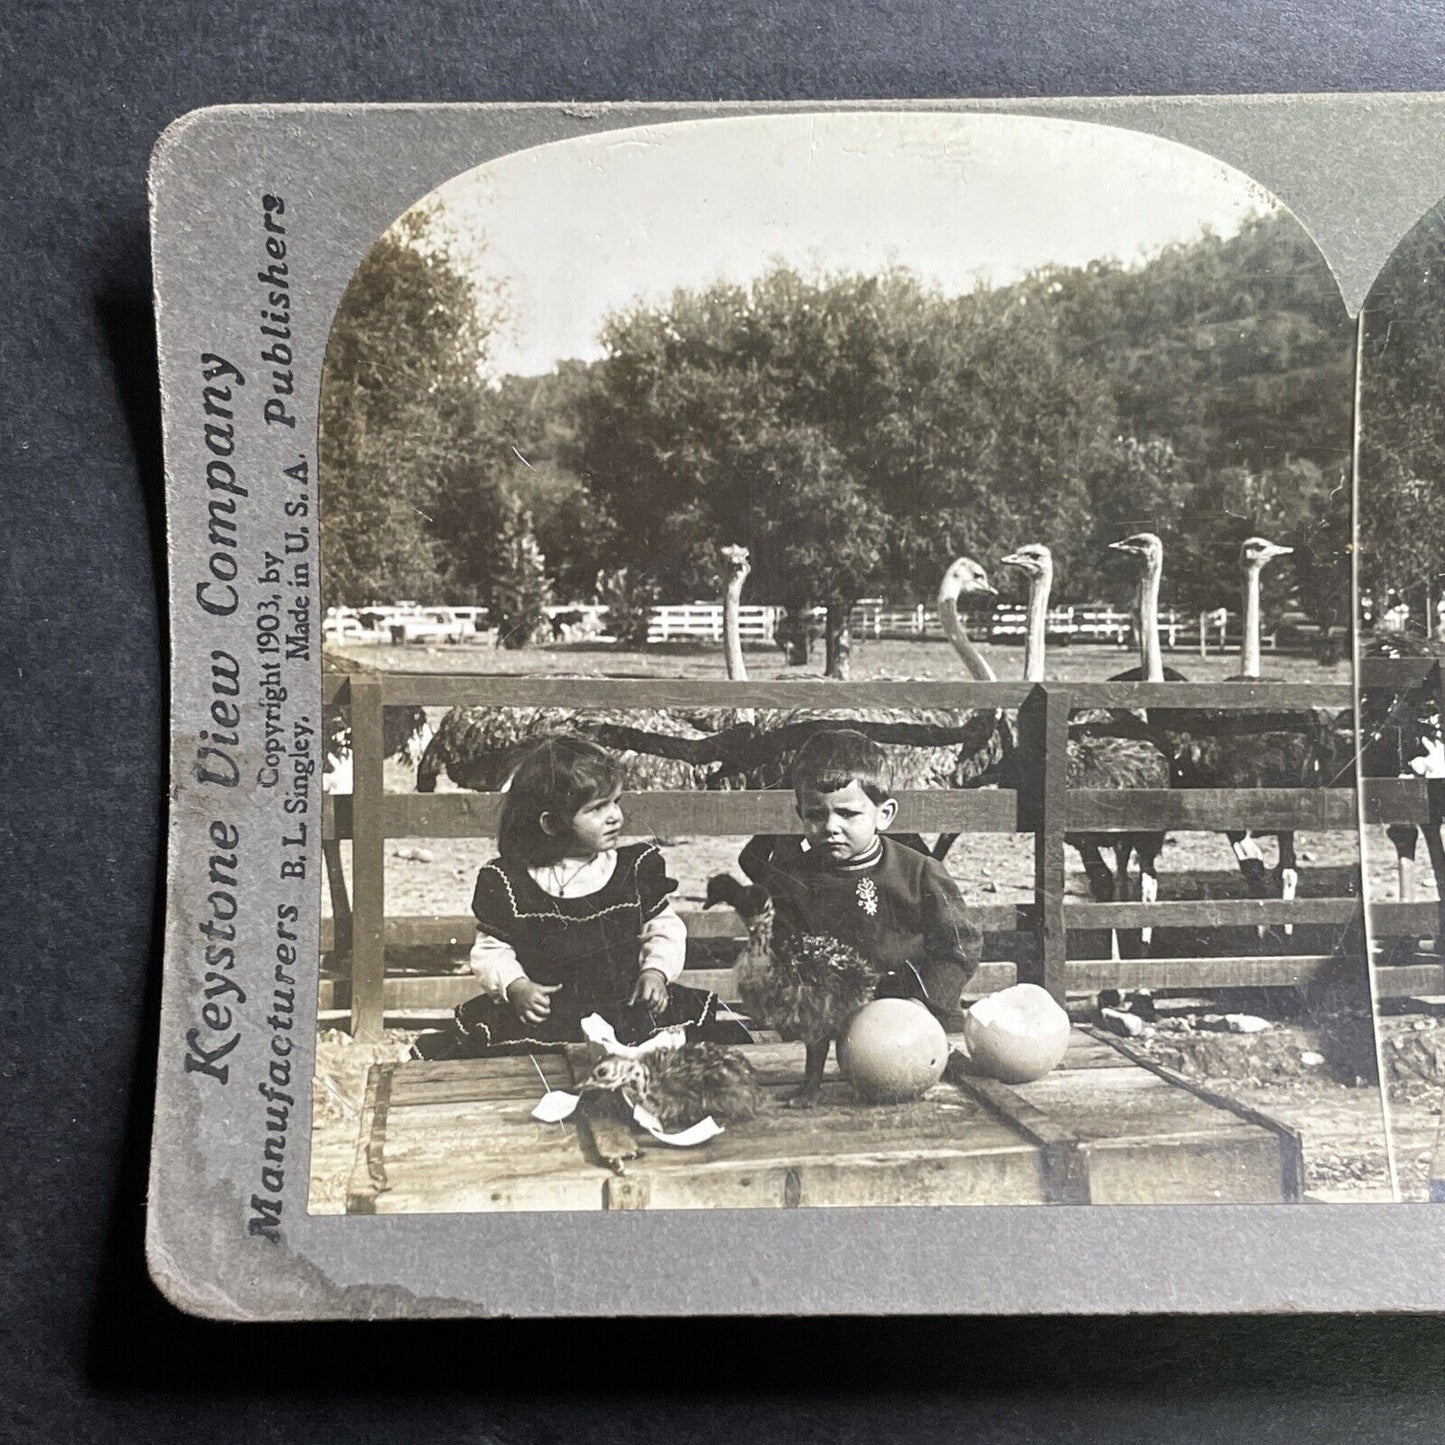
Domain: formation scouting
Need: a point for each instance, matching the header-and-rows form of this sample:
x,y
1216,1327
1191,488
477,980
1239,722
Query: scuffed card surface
x,y
470,413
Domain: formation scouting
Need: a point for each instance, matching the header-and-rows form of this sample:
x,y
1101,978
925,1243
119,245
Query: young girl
x,y
570,923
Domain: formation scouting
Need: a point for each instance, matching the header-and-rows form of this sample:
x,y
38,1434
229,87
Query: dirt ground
x,y
1341,1125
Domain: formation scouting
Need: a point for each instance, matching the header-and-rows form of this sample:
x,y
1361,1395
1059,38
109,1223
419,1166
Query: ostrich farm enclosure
x,y
1340,1125
994,868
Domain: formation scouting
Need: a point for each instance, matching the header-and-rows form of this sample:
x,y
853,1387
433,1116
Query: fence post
x,y
368,860
1043,799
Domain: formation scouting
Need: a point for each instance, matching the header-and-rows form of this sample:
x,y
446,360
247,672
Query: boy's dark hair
x,y
831,760
561,775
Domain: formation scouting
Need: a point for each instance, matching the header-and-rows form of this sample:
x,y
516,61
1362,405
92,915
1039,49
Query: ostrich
x,y
1402,737
1255,553
1096,762
406,734
1199,760
478,747
951,765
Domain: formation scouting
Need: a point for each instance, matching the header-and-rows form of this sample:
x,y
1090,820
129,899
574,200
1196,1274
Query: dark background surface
x,y
91,1352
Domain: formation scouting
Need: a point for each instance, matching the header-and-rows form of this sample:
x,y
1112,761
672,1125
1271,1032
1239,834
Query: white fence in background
x,y
703,622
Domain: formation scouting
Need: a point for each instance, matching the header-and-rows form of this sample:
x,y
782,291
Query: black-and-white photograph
x,y
838,661
1401,618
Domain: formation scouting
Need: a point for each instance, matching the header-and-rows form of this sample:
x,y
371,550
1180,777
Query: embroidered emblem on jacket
x,y
868,896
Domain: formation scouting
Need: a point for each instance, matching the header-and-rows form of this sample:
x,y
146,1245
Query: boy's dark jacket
x,y
904,913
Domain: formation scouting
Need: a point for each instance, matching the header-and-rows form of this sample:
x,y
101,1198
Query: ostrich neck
x,y
732,630
1250,664
1151,659
1035,639
954,630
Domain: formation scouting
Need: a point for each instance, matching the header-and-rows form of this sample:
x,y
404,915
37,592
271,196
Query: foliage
x,y
629,600
520,589
398,415
857,432
1402,421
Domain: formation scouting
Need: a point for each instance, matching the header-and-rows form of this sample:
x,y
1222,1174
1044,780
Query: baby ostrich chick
x,y
681,1086
808,990
752,905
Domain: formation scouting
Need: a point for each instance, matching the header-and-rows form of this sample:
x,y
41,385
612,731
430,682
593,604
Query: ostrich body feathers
x,y
681,1086
808,988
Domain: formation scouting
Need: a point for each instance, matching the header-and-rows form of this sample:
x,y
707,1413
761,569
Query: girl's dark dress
x,y
589,945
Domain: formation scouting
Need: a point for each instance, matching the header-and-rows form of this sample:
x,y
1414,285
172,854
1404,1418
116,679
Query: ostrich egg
x,y
1016,1035
893,1050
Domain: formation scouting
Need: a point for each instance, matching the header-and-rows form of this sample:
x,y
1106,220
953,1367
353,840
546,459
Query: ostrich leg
x,y
1123,851
806,1094
1101,883
1436,848
1404,838
1288,874
1148,885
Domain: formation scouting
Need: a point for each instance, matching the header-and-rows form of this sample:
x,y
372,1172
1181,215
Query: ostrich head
x,y
1256,551
966,577
1032,558
627,1077
736,562
1146,547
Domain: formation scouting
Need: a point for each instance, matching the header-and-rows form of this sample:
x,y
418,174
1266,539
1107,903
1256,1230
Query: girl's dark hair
x,y
561,775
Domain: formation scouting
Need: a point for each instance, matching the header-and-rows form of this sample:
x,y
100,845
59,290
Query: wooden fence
x,y
1412,800
1029,941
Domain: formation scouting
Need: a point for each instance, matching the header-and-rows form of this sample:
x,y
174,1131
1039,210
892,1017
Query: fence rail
x,y
1026,941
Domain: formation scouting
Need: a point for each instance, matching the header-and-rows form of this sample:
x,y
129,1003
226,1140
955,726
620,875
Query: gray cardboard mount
x,y
1357,170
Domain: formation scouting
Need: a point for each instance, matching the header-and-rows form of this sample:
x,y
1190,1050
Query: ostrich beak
x,y
1276,550
1014,559
1124,546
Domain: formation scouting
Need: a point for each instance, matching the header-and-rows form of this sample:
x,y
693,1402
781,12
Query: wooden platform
x,y
1103,1128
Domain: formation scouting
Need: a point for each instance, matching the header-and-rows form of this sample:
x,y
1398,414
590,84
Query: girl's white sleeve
x,y
495,965
664,944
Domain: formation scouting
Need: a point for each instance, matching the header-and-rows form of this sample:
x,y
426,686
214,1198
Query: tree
x,y
1402,422
521,592
399,414
848,429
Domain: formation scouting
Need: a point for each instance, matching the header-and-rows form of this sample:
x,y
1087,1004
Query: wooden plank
x,y
1402,980
667,814
1402,920
1214,809
720,925
368,1173
1163,697
1213,913
1062,1160
368,860
954,1178
473,690
462,689
1238,1168
1277,971
484,1156
1396,800
1396,672
943,1149
1292,1177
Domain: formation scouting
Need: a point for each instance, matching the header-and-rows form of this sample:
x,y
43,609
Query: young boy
x,y
898,907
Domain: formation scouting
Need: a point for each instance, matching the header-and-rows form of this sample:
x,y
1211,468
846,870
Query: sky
x,y
579,229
